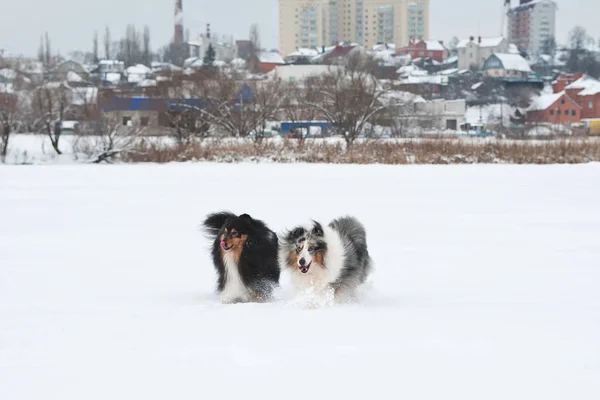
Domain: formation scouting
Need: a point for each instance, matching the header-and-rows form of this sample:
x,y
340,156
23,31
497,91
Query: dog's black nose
x,y
302,262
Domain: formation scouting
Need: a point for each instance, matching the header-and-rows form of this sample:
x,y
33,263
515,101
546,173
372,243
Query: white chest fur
x,y
234,289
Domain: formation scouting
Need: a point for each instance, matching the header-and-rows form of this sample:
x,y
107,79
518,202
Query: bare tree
x,y
51,103
580,58
48,50
579,38
267,102
109,142
348,99
297,107
42,51
95,47
255,38
9,120
147,52
187,118
107,43
238,108
453,45
549,46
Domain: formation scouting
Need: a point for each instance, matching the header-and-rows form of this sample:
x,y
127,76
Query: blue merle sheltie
x,y
330,257
244,253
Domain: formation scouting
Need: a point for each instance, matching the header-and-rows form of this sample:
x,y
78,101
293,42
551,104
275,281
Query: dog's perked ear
x,y
295,234
317,230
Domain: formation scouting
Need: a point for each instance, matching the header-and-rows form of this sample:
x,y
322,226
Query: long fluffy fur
x,y
250,271
339,259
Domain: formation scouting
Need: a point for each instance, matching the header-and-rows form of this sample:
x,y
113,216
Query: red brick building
x,y
565,80
426,49
264,62
582,90
556,108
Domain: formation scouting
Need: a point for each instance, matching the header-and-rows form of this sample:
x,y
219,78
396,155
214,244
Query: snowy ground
x,y
487,284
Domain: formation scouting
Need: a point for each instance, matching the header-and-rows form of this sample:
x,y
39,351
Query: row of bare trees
x,y
215,102
348,99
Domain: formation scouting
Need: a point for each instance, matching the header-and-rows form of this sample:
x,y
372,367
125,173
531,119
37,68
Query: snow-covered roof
x,y
84,95
513,62
424,79
407,70
111,62
383,47
403,97
8,73
513,49
544,101
300,72
73,76
485,42
112,77
451,60
450,71
139,69
531,3
304,52
591,91
389,58
7,88
147,83
434,45
239,63
270,57
477,86
585,83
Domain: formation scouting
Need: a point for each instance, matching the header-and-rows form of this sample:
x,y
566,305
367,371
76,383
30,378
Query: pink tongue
x,y
223,245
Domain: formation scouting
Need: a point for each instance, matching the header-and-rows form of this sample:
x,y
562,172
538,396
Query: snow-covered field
x,y
487,284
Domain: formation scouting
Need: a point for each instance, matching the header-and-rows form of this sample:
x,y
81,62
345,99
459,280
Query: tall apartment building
x,y
531,24
315,23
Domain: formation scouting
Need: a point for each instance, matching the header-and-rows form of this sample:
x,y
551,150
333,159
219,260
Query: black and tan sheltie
x,y
245,254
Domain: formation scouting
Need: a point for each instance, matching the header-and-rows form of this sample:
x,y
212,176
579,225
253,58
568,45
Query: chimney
x,y
479,39
178,38
208,31
472,38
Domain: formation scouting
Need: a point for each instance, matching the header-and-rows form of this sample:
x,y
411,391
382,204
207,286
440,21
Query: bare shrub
x,y
108,142
441,151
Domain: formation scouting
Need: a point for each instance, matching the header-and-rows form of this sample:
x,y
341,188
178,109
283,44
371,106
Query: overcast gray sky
x,y
71,23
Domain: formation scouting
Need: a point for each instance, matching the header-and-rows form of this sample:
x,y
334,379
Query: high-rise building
x,y
315,23
531,24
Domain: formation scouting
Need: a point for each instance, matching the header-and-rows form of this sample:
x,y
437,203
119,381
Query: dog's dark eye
x,y
311,249
298,249
235,234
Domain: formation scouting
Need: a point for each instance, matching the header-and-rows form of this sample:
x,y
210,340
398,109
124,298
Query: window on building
x,y
127,121
573,113
562,101
551,112
145,121
590,105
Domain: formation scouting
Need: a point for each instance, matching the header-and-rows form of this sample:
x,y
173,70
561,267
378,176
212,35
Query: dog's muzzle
x,y
304,268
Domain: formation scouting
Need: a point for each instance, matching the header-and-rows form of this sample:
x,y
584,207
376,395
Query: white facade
x,y
531,24
473,52
442,114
